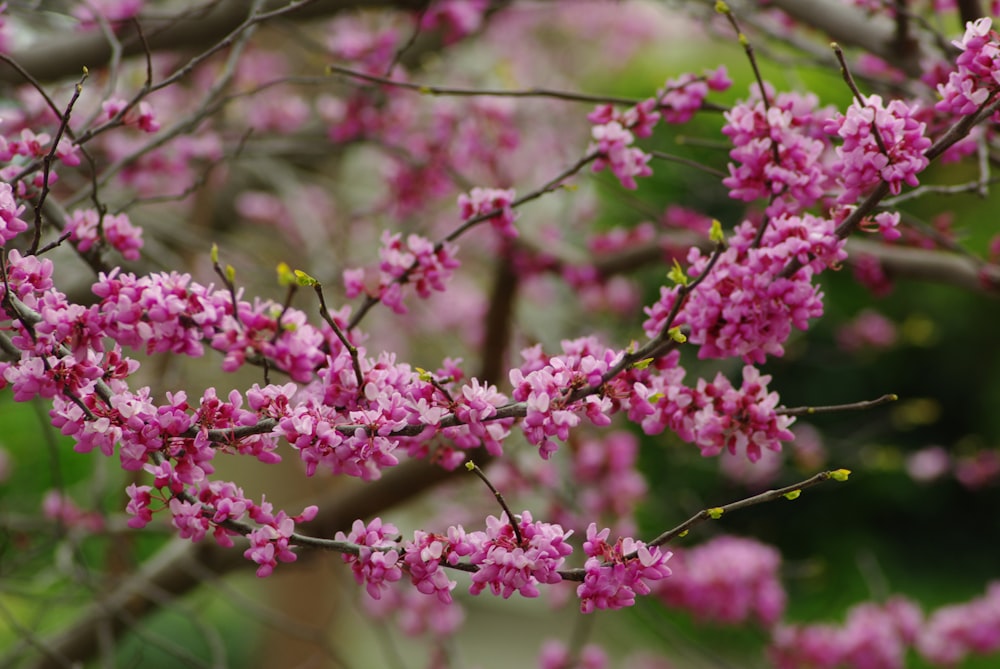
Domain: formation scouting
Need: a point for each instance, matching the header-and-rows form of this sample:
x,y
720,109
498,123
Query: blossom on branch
x,y
881,143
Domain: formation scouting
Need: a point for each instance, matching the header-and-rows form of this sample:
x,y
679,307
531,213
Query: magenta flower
x,y
727,580
895,157
10,225
506,566
481,201
377,563
617,573
977,75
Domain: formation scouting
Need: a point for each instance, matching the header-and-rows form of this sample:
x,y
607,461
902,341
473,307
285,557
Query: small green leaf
x,y
285,275
677,335
840,474
304,279
230,273
470,465
683,534
715,512
677,274
794,494
715,233
642,364
721,7
425,376
215,254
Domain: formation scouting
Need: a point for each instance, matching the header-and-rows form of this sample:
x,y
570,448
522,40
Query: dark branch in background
x,y
851,26
57,59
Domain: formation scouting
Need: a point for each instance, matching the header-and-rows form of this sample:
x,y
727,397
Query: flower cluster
x,y
11,224
507,565
481,201
419,262
745,306
952,633
476,408
605,477
616,573
32,146
977,77
779,151
141,116
87,228
873,636
727,580
613,142
881,143
743,420
377,564
545,384
680,98
458,17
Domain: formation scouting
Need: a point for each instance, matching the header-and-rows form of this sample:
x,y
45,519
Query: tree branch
x,y
849,25
65,57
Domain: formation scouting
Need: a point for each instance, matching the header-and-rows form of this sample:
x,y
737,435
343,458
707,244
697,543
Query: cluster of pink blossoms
x,y
419,262
780,151
727,580
743,420
482,201
977,76
606,480
87,228
506,562
951,633
745,307
507,566
880,143
873,637
376,564
11,224
30,147
613,142
141,116
616,573
545,384
681,98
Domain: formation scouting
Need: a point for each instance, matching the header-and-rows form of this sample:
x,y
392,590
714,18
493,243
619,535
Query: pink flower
x,y
10,225
373,566
975,79
616,573
872,637
745,306
85,226
613,142
953,632
482,201
896,157
780,152
727,580
507,566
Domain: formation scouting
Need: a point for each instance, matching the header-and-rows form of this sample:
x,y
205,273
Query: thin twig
x,y
833,408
